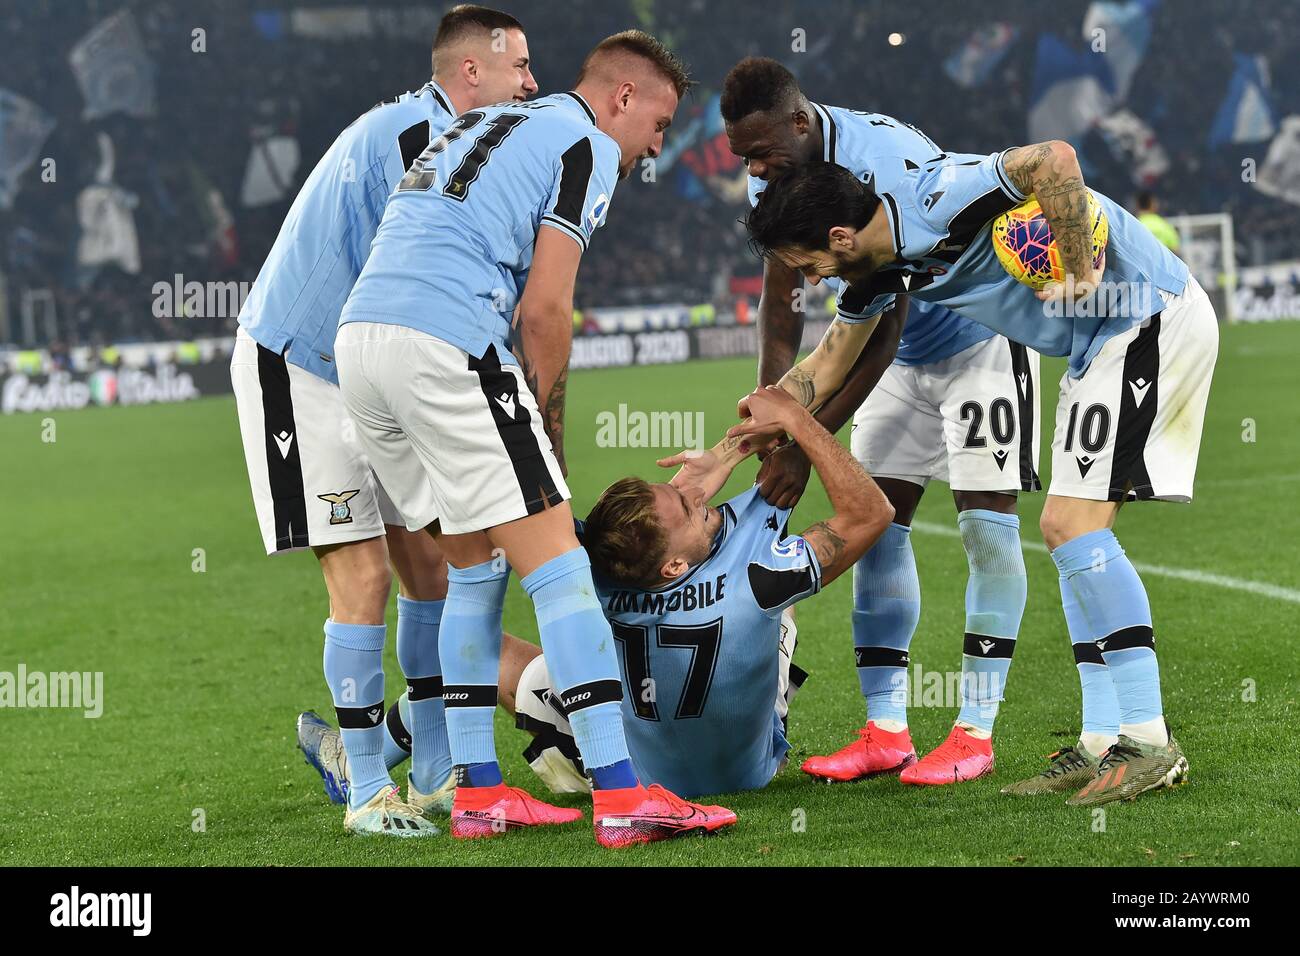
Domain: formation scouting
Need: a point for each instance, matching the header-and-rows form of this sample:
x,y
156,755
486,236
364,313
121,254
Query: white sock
x,y
891,726
1096,744
979,733
1152,732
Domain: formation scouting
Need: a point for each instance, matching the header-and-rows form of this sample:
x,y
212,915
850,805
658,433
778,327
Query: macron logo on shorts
x,y
1140,388
507,403
284,441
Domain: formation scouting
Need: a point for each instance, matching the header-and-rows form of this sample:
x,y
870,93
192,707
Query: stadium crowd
x,y
265,72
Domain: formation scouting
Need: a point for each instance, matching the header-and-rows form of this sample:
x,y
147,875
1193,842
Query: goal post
x,y
1206,245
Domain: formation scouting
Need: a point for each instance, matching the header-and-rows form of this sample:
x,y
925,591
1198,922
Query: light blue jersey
x,y
881,150
456,243
940,218
293,308
700,656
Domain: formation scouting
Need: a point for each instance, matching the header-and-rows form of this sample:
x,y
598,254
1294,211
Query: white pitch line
x,y
1275,591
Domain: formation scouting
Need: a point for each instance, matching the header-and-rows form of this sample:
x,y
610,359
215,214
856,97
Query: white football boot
x,y
387,814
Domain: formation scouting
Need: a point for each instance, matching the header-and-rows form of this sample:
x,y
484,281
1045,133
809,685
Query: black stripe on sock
x,y
1087,652
283,471
396,729
880,657
534,477
981,645
360,718
1128,464
589,695
1026,407
469,695
423,688
1122,640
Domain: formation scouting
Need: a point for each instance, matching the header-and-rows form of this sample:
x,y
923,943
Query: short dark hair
x,y
638,43
623,537
1146,199
800,206
755,85
467,18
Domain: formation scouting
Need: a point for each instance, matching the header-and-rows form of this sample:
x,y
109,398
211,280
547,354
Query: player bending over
x,y
1142,338
312,483
508,193
955,402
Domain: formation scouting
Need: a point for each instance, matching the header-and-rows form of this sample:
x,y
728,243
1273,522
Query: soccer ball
x,y
1025,246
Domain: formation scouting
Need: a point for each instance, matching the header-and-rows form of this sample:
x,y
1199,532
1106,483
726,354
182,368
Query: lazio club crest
x,y
340,510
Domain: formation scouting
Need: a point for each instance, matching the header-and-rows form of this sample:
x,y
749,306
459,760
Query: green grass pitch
x,y
204,672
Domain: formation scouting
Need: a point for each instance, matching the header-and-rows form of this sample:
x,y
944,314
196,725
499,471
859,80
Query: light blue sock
x,y
1100,705
580,656
995,603
1115,604
886,608
469,647
354,670
417,652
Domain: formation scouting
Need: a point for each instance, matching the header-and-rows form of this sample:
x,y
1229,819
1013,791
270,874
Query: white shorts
x,y
471,424
970,420
1130,427
553,753
312,484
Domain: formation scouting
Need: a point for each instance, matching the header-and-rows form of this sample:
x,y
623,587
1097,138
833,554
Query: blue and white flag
x,y
1246,114
23,129
1279,176
1071,91
979,56
1134,143
1119,30
114,70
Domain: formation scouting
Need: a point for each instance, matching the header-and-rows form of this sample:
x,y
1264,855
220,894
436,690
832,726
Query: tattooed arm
x,y
545,320
784,473
861,510
1050,172
809,383
824,371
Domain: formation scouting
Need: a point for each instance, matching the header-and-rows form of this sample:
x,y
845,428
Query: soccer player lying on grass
x,y
1142,338
696,597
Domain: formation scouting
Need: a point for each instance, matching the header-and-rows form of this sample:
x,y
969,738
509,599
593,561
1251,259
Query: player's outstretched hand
x,y
784,476
769,413
697,469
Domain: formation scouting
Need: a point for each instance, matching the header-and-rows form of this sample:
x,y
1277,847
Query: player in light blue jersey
x,y
1142,339
696,597
312,483
955,402
485,232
